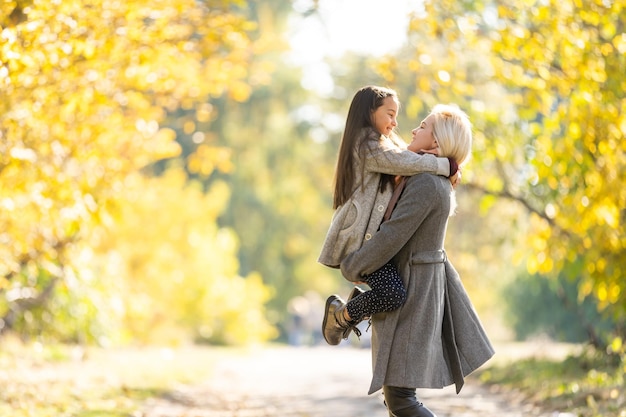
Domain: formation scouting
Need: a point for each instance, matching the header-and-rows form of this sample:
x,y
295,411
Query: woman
x,y
435,338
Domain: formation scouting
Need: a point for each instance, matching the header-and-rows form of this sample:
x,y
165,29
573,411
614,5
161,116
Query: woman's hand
x,y
455,180
433,151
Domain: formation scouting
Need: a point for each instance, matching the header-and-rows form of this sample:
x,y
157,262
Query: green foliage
x,y
589,384
539,306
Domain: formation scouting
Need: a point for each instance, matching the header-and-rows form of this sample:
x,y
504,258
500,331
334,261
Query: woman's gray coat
x,y
358,219
436,338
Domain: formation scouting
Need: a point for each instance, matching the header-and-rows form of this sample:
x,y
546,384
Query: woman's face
x,y
384,117
423,136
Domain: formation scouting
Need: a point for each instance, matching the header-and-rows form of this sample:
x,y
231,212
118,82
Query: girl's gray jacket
x,y
358,219
436,338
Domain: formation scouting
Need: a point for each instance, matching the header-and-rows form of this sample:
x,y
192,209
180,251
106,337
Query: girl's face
x,y
384,117
423,136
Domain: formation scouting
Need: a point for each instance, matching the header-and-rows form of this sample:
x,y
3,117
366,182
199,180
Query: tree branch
x,y
510,196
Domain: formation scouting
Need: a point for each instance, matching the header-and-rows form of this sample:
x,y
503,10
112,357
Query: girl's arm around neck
x,y
385,157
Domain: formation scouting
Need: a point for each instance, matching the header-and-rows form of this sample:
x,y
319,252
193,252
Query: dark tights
x,y
402,402
387,293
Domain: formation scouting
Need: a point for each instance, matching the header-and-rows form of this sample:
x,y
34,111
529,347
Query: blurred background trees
x,y
93,248
559,151
166,167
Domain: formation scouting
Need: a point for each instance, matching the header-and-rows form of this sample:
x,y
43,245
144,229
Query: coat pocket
x,y
350,235
350,218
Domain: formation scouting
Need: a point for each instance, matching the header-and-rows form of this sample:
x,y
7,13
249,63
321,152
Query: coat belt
x,y
429,257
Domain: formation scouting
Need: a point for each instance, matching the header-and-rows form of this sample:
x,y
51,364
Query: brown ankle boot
x,y
347,326
356,291
334,325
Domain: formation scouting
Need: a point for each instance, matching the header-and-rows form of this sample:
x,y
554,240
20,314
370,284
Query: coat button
x,y
368,236
381,208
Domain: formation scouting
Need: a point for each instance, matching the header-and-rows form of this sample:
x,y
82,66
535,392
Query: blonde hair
x,y
453,132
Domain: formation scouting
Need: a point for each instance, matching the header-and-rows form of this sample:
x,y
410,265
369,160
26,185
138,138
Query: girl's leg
x,y
387,293
402,402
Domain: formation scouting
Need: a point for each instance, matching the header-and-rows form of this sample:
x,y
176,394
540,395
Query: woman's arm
x,y
419,198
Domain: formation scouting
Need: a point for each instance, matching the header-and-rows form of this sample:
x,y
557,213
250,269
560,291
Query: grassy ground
x,y
60,381
38,381
585,383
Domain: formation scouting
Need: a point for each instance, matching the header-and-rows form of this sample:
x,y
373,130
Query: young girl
x,y
371,155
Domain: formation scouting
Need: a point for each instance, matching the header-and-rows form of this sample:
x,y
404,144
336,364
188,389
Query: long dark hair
x,y
366,100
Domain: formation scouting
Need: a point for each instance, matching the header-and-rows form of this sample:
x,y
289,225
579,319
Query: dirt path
x,y
317,382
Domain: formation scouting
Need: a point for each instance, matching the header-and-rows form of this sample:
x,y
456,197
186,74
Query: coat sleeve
x,y
418,200
386,158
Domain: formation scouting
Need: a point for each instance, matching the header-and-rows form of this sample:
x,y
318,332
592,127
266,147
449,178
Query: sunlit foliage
x,y
85,87
175,271
559,149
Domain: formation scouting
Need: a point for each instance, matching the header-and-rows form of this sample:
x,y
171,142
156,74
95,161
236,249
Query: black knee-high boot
x,y
402,402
